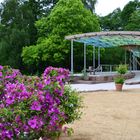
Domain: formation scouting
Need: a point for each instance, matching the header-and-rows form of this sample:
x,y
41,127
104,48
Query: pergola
x,y
130,40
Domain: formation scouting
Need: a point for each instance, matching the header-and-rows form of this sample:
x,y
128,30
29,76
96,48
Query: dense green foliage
x,y
17,27
128,10
113,56
17,30
133,23
71,104
122,69
40,27
112,21
119,80
67,17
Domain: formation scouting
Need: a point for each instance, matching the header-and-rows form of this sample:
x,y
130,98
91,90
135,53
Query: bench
x,y
92,70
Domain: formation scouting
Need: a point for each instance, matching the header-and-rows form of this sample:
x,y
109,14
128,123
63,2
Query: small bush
x,y
122,69
71,103
119,80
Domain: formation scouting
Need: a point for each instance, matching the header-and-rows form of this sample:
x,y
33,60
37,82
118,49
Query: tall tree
x,y
67,17
112,21
128,10
90,4
17,27
13,32
134,22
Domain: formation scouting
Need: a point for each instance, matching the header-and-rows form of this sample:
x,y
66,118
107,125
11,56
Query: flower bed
x,y
32,107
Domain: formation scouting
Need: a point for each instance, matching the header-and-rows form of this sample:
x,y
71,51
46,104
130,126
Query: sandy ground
x,y
109,115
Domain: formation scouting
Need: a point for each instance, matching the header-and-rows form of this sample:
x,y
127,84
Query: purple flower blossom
x,y
17,131
7,134
36,106
32,123
47,81
25,128
1,67
0,74
10,100
1,105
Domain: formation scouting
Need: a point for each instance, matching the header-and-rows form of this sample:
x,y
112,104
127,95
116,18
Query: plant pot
x,y
119,87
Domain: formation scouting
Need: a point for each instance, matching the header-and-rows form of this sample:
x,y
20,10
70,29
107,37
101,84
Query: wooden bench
x,y
92,70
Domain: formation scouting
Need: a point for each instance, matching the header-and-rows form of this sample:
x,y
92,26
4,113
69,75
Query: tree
x,y
133,23
17,27
13,32
45,6
67,17
90,4
112,21
128,10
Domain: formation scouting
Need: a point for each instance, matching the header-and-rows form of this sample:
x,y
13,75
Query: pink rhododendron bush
x,y
33,107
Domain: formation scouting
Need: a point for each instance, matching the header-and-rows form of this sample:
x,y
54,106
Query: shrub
x,y
32,107
119,80
71,103
122,69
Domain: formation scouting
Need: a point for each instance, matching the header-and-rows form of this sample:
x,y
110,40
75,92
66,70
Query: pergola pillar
x,y
130,58
133,62
99,56
84,57
125,56
94,54
72,56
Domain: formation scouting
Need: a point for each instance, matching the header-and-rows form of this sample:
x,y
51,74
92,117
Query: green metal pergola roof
x,y
107,39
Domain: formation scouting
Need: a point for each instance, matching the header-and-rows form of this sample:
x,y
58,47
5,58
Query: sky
x,y
104,7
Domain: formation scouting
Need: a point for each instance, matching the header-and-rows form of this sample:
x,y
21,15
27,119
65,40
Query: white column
x,y
72,57
130,58
133,62
125,57
99,56
84,57
94,53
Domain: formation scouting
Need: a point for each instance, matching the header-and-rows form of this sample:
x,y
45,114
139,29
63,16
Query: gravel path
x,y
109,115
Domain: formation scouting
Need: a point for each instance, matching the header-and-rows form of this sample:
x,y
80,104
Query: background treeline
x,y
32,32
